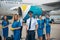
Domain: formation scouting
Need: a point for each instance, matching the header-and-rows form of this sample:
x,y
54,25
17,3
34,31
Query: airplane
x,y
11,7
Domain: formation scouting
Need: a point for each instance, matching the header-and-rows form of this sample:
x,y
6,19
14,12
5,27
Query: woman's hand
x,y
36,27
4,26
12,28
0,27
15,28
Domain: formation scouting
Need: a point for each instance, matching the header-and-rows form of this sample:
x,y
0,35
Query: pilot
x,y
16,27
31,26
48,27
5,24
40,28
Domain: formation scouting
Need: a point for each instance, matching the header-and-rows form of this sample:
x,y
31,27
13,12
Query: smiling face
x,y
30,14
47,16
15,17
40,17
5,17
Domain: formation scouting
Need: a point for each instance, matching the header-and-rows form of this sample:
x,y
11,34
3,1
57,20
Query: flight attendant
x,y
48,27
16,27
5,24
31,26
40,28
21,21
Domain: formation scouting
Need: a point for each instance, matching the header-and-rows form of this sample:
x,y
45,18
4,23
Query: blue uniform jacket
x,y
40,24
5,23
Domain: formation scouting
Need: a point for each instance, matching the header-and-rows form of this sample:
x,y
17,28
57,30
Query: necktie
x,y
30,24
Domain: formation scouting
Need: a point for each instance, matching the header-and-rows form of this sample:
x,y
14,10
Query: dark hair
x,y
30,12
6,18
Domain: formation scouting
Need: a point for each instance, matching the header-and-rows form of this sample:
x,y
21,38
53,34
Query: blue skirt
x,y
5,32
40,32
48,29
16,34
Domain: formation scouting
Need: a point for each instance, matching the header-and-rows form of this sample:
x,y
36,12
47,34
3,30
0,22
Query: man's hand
x,y
26,27
36,26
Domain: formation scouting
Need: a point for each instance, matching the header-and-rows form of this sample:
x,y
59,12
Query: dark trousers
x,y
21,31
31,35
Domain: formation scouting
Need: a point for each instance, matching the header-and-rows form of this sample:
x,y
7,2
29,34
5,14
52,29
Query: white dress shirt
x,y
33,23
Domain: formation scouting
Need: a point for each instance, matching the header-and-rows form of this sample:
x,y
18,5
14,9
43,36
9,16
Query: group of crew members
x,y
32,25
